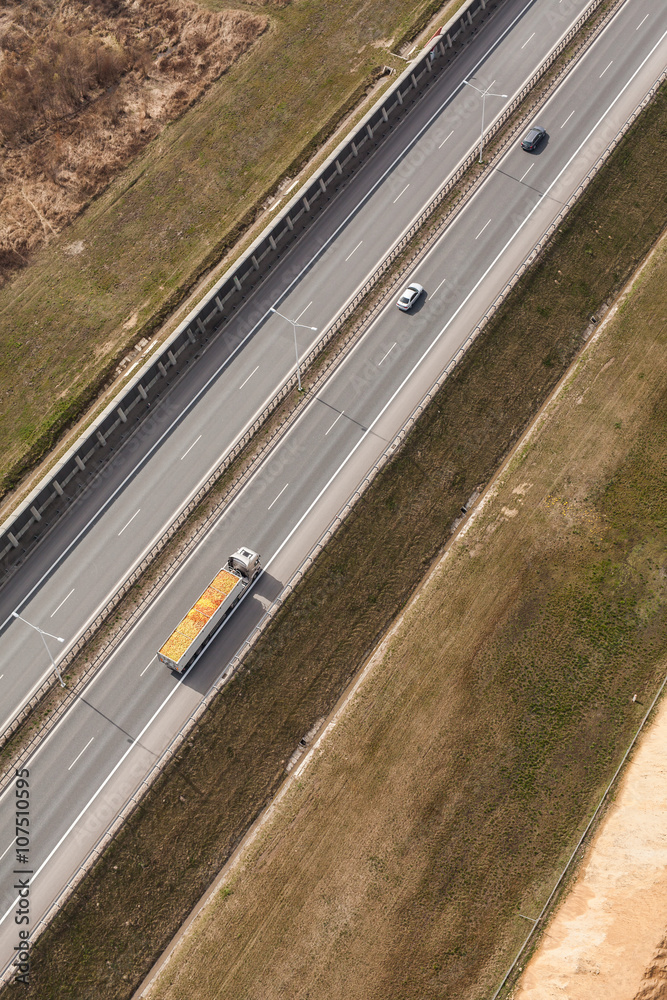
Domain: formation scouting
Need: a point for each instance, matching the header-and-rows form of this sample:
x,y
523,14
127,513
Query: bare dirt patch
x,y
607,940
84,87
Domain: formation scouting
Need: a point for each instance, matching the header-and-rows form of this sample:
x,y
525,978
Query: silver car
x,y
410,296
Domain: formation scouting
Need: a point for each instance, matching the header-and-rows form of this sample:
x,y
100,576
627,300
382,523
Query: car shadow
x,y
542,146
419,305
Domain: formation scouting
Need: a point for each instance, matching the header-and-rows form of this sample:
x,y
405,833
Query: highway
x,y
71,576
93,760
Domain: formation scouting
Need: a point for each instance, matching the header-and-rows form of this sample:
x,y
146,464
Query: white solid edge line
x,y
215,375
252,330
99,790
435,115
182,677
170,695
428,350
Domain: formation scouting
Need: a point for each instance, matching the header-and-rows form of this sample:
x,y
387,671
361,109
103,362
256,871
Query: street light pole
x,y
296,349
43,635
485,93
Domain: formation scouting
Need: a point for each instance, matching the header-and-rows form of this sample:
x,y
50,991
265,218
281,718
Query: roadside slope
x,y
446,799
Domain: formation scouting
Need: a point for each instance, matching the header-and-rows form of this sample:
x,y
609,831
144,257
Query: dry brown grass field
x,y
444,801
83,86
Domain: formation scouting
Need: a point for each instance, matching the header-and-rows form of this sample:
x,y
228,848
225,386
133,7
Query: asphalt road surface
x,y
76,570
94,759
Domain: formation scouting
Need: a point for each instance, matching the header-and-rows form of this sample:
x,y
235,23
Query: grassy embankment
x,y
536,698
448,798
67,318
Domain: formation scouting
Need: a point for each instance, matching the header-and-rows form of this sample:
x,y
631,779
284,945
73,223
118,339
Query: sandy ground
x,y
609,937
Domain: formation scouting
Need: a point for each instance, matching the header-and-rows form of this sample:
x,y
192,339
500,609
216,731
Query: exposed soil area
x,y
608,939
84,85
474,755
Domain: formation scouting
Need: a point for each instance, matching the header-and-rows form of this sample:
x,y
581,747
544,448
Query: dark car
x,y
533,139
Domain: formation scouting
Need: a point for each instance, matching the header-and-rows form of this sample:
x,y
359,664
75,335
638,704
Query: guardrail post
x,y
237,282
101,438
79,461
58,488
121,413
290,224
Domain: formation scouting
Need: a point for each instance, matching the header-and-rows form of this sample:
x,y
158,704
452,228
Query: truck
x,y
210,609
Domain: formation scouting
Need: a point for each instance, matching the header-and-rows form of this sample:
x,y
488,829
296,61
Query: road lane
x,y
366,218
339,434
